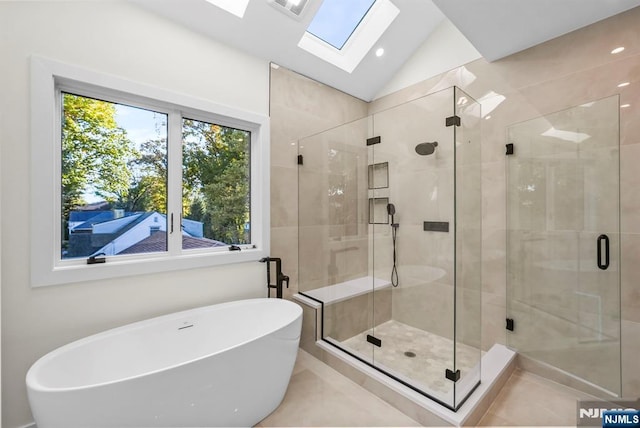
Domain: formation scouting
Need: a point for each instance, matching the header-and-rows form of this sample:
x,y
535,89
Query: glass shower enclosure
x,y
390,241
563,242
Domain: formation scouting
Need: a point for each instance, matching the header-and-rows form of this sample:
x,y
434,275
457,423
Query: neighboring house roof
x,y
127,235
89,218
105,232
117,223
158,242
96,206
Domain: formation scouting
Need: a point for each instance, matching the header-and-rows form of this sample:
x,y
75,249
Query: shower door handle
x,y
604,265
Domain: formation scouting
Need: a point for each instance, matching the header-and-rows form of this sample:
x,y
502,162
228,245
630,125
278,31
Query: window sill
x,y
67,273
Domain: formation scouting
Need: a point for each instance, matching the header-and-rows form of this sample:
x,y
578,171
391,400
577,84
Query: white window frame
x,y
48,78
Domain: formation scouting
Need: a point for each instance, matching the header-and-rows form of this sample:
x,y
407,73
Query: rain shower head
x,y
424,149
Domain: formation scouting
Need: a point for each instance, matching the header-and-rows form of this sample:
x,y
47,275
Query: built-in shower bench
x,y
350,316
346,290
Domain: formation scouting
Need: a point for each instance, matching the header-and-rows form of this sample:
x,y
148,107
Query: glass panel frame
x,y
468,245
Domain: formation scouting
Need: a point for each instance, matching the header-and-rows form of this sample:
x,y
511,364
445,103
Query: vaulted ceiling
x,y
496,28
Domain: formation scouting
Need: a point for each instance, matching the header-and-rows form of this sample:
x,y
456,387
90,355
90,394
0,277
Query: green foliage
x,y
148,187
216,179
94,152
99,157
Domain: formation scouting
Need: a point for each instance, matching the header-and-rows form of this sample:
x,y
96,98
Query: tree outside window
x,y
114,172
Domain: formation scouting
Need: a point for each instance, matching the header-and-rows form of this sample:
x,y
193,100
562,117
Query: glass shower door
x,y
563,276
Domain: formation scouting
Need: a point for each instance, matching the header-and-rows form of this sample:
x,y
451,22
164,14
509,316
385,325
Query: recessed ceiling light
x,y
236,7
487,117
617,50
622,85
379,52
625,105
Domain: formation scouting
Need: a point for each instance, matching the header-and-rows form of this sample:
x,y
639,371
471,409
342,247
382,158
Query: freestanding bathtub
x,y
222,365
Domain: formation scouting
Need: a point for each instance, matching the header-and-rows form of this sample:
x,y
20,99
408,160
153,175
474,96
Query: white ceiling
x,y
496,28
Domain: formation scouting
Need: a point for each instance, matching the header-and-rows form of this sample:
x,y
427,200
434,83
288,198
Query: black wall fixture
x,y
424,149
280,277
435,226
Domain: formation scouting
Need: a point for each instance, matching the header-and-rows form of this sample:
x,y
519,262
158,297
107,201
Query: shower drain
x,y
409,354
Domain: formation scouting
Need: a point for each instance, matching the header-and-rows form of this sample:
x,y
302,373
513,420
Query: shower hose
x,y
394,270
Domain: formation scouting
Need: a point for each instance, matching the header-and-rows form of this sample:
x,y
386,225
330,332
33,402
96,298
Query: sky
x,y
141,125
336,19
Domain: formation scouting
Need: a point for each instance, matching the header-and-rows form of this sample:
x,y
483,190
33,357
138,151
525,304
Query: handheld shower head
x,y
391,209
424,149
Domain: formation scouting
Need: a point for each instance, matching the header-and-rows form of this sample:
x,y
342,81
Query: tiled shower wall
x,y
299,107
571,70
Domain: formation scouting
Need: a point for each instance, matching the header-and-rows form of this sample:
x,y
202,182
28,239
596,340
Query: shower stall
x,y
390,241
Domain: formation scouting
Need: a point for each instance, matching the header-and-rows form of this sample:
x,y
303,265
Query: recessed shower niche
x,y
378,175
378,211
398,297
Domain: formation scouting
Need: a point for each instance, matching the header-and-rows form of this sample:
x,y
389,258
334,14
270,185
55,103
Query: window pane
x,y
336,20
216,186
114,178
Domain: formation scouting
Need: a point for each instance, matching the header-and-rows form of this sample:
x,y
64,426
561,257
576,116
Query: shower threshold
x,y
497,365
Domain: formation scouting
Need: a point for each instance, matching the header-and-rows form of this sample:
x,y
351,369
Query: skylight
x,y
336,20
236,7
356,40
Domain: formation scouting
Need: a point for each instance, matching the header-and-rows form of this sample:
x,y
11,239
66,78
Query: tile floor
x,y
431,356
530,400
320,396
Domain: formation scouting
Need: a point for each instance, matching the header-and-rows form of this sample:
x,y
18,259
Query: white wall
x,y
117,38
445,49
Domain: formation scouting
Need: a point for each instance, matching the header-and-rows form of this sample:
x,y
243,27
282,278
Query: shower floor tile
x,y
415,356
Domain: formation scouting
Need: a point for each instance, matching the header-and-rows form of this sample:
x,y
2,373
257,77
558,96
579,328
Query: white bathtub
x,y
221,365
